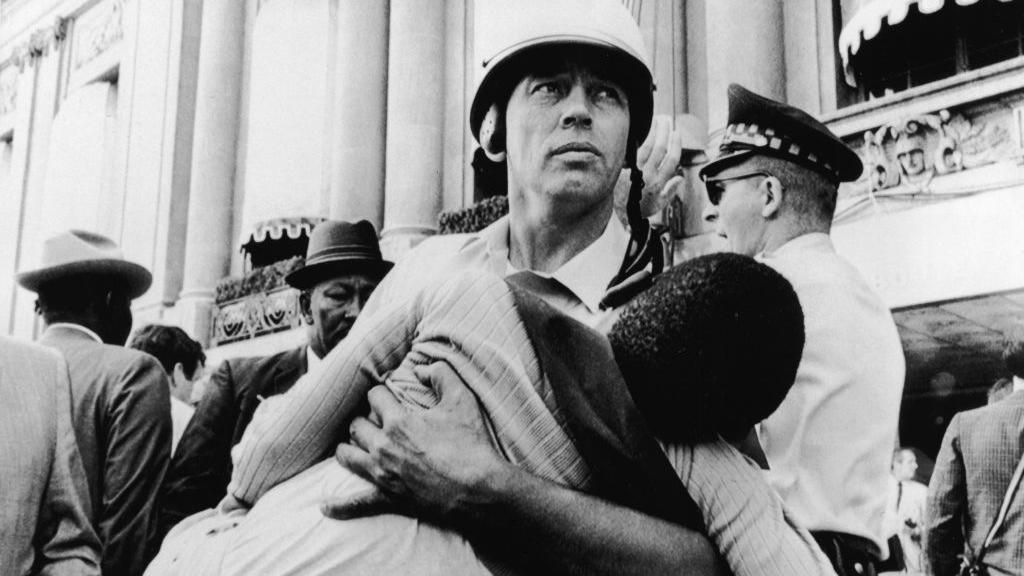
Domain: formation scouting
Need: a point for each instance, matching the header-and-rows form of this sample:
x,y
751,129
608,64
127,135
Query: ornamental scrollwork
x,y
916,149
255,315
39,43
96,32
8,90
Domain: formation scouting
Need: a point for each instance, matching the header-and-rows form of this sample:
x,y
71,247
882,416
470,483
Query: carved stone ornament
x,y
912,151
8,90
256,315
98,30
39,43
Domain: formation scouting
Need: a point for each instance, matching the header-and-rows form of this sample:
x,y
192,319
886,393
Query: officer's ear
x,y
772,193
492,134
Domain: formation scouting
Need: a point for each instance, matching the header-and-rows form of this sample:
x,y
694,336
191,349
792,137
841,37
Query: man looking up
x,y
342,268
772,193
565,98
120,399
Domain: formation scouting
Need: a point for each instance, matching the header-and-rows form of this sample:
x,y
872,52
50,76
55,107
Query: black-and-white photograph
x,y
511,287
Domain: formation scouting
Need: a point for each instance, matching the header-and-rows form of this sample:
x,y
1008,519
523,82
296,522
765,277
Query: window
x,y
924,48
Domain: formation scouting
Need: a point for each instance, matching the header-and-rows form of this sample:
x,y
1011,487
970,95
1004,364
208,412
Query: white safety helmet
x,y
515,28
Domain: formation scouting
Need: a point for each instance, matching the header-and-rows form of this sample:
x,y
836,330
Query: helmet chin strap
x,y
644,248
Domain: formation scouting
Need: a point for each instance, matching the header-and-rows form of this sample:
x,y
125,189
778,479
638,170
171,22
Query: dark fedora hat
x,y
336,248
76,253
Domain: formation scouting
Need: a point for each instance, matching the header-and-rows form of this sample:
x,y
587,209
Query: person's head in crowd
x,y
1013,353
181,357
711,348
84,279
1000,389
904,464
565,99
776,176
343,267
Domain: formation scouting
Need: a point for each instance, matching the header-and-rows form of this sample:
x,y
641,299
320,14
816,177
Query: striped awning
x,y
867,22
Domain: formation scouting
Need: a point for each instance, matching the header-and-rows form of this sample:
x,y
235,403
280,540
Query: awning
x,y
278,228
867,23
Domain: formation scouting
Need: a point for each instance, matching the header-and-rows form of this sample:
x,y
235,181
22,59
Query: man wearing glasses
x,y
772,193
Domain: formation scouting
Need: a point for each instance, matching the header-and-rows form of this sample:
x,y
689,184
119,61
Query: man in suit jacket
x,y
44,503
980,450
120,398
343,266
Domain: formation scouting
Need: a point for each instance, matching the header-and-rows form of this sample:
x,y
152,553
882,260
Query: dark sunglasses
x,y
716,186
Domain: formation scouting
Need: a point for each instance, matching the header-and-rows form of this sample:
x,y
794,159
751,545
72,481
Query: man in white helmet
x,y
565,99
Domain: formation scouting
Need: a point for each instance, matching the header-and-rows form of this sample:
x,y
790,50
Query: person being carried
x,y
556,406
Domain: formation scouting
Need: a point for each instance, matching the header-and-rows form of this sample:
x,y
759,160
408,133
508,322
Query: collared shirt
x,y
830,442
585,276
312,360
181,413
77,327
744,518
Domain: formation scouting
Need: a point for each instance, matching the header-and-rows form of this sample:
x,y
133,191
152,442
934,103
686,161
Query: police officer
x,y
772,193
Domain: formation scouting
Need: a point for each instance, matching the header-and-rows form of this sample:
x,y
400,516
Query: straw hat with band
x,y
77,253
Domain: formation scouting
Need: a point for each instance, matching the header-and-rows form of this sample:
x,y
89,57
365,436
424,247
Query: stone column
x,y
360,117
415,126
208,240
745,44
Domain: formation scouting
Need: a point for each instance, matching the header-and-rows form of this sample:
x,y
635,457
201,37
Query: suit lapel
x,y
291,367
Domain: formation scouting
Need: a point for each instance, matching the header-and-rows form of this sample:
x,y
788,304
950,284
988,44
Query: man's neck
x,y
776,237
545,242
76,325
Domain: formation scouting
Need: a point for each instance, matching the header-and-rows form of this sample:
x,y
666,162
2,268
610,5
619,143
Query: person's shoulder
x,y
14,351
30,366
259,363
1007,409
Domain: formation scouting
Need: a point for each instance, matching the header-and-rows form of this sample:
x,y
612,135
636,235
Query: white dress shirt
x,y
586,276
830,442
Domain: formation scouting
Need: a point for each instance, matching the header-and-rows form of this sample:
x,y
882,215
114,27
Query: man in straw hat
x,y
772,192
121,404
565,99
343,266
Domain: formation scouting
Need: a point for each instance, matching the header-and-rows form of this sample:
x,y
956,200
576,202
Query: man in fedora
x,y
343,266
120,402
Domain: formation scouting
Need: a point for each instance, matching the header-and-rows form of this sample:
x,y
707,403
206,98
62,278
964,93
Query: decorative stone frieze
x,y
96,31
39,43
8,90
909,153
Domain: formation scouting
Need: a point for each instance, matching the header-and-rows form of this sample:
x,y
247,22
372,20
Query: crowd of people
x,y
537,397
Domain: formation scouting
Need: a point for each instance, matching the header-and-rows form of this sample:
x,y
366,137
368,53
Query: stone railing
x,y
255,315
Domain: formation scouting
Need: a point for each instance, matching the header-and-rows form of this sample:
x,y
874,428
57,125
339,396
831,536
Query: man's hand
x,y
424,462
657,158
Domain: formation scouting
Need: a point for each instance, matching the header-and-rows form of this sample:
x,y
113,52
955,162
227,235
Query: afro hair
x,y
712,348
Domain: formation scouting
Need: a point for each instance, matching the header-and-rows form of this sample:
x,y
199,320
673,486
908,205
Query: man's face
x,y
735,208
566,134
904,465
184,384
332,306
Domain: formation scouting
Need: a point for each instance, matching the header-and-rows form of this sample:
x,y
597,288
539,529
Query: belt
x,y
850,555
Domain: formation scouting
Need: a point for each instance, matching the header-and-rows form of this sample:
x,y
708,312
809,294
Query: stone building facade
x,y
189,129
